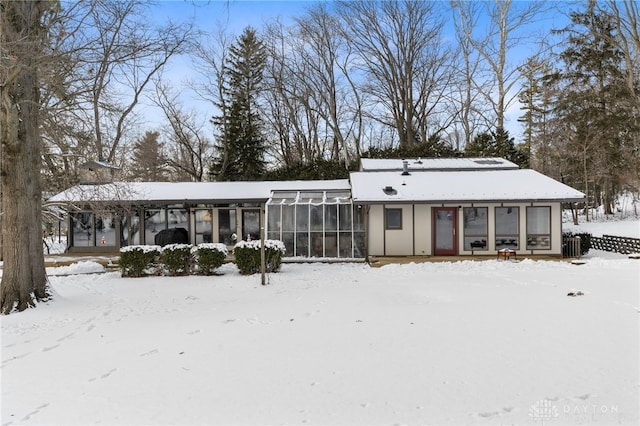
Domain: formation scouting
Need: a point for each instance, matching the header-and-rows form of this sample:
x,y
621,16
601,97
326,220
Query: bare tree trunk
x,y
23,36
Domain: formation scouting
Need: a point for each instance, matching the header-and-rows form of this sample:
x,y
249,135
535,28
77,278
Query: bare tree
x,y
188,150
505,33
625,15
471,111
210,61
23,38
400,49
288,101
327,60
117,54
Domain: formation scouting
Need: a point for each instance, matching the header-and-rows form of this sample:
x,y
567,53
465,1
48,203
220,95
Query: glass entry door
x,y
251,224
444,231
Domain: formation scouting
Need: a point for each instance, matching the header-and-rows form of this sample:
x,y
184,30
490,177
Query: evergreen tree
x,y
535,98
497,143
595,102
148,159
241,145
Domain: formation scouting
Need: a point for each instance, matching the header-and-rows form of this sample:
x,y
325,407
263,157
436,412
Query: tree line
x,y
307,98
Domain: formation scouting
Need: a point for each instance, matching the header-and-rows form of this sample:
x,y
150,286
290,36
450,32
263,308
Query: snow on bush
x,y
268,244
247,254
209,257
177,258
137,261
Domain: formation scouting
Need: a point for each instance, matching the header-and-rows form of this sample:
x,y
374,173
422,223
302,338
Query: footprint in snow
x,y
488,414
49,348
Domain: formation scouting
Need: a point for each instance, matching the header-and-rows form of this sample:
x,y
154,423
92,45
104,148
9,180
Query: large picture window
x,y
538,228
91,229
393,219
475,228
507,227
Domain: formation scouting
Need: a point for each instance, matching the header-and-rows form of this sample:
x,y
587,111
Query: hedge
x,y
209,257
247,254
177,258
138,261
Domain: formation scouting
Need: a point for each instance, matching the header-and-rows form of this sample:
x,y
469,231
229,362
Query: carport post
x,y
262,256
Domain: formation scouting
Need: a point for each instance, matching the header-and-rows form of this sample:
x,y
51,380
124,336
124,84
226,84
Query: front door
x,y
444,231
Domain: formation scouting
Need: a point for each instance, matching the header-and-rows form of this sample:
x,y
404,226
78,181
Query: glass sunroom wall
x,y
83,233
288,223
274,222
204,226
105,229
130,228
155,220
316,230
331,230
359,236
346,230
302,230
317,224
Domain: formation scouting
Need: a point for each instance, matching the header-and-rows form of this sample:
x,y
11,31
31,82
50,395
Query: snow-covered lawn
x,y
436,343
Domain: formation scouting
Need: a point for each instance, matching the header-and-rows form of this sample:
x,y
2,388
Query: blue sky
x,y
235,15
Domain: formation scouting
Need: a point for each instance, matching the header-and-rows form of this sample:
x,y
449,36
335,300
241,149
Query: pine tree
x,y
497,143
535,98
240,144
148,161
595,101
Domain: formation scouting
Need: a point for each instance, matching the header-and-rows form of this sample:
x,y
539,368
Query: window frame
x,y
545,237
475,237
513,239
389,225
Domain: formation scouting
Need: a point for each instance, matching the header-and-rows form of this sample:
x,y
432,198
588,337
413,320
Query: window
x,y
82,226
475,228
538,228
393,219
91,229
507,227
227,226
155,220
204,226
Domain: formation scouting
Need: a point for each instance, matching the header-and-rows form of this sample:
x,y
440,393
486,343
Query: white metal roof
x,y
459,186
384,164
191,191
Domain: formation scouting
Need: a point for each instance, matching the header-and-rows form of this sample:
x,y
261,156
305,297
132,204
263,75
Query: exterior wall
x,y
423,240
400,241
375,231
415,237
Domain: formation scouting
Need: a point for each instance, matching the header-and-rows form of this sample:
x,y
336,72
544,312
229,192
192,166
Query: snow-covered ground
x,y
483,342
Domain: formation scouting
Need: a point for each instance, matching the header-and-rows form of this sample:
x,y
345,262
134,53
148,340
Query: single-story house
x,y
462,206
423,207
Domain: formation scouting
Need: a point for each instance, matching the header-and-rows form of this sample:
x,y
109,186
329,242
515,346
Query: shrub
x,y
585,240
209,257
177,258
247,254
137,261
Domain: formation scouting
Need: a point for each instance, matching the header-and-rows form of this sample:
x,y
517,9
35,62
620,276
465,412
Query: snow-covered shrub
x,y
137,261
247,255
177,258
209,257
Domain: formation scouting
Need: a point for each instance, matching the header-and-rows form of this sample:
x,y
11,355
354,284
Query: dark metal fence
x,y
622,245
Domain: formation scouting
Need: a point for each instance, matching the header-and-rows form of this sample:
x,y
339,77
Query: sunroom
x,y
322,224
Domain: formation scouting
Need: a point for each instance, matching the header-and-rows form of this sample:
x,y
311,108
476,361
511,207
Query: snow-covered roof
x,y
191,191
415,164
459,186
